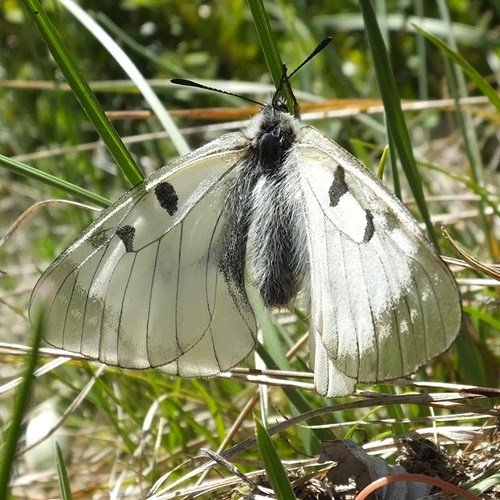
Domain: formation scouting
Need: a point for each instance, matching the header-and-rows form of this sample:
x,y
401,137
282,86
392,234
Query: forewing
x,y
383,303
141,286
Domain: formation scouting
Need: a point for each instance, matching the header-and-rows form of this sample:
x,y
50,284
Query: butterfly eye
x,y
278,103
281,106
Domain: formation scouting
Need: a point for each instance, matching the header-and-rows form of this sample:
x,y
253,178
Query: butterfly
x,y
171,275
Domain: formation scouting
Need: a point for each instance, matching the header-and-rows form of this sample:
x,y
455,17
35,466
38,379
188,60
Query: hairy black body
x,y
259,202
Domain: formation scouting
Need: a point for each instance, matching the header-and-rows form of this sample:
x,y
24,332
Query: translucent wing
x,y
383,303
141,286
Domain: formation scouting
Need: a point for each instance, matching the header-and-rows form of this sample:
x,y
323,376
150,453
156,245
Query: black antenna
x,y
190,83
284,80
315,52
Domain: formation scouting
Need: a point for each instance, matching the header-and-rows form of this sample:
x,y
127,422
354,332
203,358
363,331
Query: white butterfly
x,y
169,275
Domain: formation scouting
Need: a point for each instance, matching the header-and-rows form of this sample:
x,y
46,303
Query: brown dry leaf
x,y
353,462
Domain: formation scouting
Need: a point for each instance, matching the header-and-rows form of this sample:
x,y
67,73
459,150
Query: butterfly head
x,y
278,103
271,134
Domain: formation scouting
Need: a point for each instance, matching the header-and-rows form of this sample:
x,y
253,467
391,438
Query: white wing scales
x,y
382,302
141,287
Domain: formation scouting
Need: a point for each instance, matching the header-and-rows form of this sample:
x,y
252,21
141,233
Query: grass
x,y
126,433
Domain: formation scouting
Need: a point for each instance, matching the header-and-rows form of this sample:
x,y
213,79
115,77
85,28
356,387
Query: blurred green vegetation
x,y
216,40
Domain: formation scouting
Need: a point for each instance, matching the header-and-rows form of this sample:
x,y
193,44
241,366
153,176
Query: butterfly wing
x,y
383,303
141,286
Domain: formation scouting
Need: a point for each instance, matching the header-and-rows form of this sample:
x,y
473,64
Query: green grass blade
x,y
132,71
33,173
396,125
468,69
269,48
395,412
13,433
272,463
146,53
486,484
457,68
299,403
63,475
83,93
264,32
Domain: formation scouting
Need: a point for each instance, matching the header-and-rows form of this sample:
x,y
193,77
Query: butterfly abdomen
x,y
264,240
277,248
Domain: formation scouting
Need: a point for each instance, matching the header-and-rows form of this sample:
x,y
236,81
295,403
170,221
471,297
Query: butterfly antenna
x,y
285,78
190,83
314,53
277,97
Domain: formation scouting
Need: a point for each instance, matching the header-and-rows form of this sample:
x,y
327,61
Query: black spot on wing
x,y
167,197
370,228
126,234
97,240
338,187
